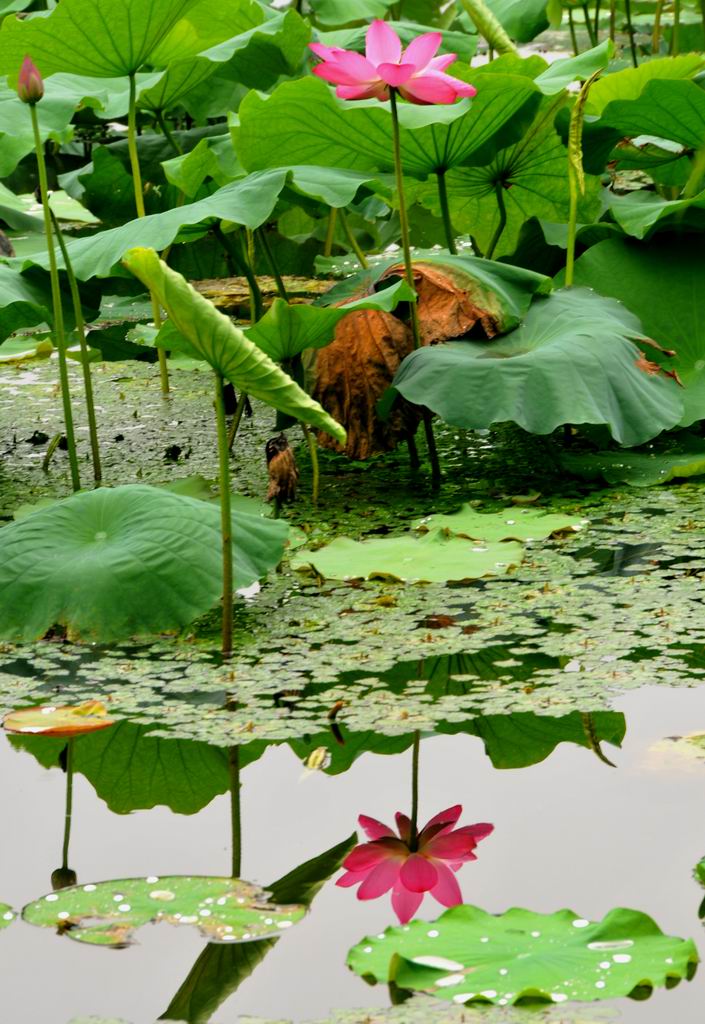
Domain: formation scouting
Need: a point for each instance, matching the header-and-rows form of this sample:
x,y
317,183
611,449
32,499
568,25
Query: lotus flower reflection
x,y
411,869
416,72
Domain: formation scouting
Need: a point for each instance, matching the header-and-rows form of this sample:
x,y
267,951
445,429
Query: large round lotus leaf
x,y
573,360
49,720
661,283
468,954
111,563
107,913
7,915
433,557
522,524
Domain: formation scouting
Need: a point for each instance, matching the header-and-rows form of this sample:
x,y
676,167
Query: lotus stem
x,y
598,5
69,805
573,36
352,241
414,461
409,273
630,32
236,420
330,233
675,31
166,131
272,264
235,256
139,204
488,26
315,469
414,830
613,20
502,222
702,14
58,313
656,34
445,211
588,25
226,525
85,365
235,812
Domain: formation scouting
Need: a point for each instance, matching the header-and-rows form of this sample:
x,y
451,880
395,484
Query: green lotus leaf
x,y
7,916
522,524
468,955
629,83
91,37
24,302
573,360
522,19
286,330
660,282
502,293
434,557
302,122
215,338
679,461
249,202
530,177
700,877
561,73
641,213
107,913
111,563
234,41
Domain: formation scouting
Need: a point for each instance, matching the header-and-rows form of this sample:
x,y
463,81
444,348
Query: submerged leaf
x,y
112,563
639,468
107,913
469,955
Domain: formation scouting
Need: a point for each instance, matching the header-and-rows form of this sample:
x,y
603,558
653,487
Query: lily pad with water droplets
x,y
7,915
469,955
51,720
522,524
433,557
107,913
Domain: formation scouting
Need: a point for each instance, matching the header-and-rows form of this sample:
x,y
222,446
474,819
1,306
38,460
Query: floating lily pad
x,y
700,877
522,524
639,468
107,913
7,916
112,563
50,720
468,955
433,557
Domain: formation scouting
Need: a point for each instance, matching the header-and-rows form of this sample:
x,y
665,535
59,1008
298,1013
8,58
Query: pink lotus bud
x,y
30,87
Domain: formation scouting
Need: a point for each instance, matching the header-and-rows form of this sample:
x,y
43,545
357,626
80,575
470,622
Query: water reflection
x,y
131,769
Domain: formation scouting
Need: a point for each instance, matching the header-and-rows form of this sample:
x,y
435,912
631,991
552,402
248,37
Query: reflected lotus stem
x,y
415,790
235,812
226,525
69,805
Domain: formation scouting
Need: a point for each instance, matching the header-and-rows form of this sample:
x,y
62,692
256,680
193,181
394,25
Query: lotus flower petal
x,y
374,829
421,50
446,890
405,903
383,45
380,880
395,74
418,874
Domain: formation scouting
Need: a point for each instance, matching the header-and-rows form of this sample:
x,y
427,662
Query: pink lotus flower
x,y
411,869
30,87
416,73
